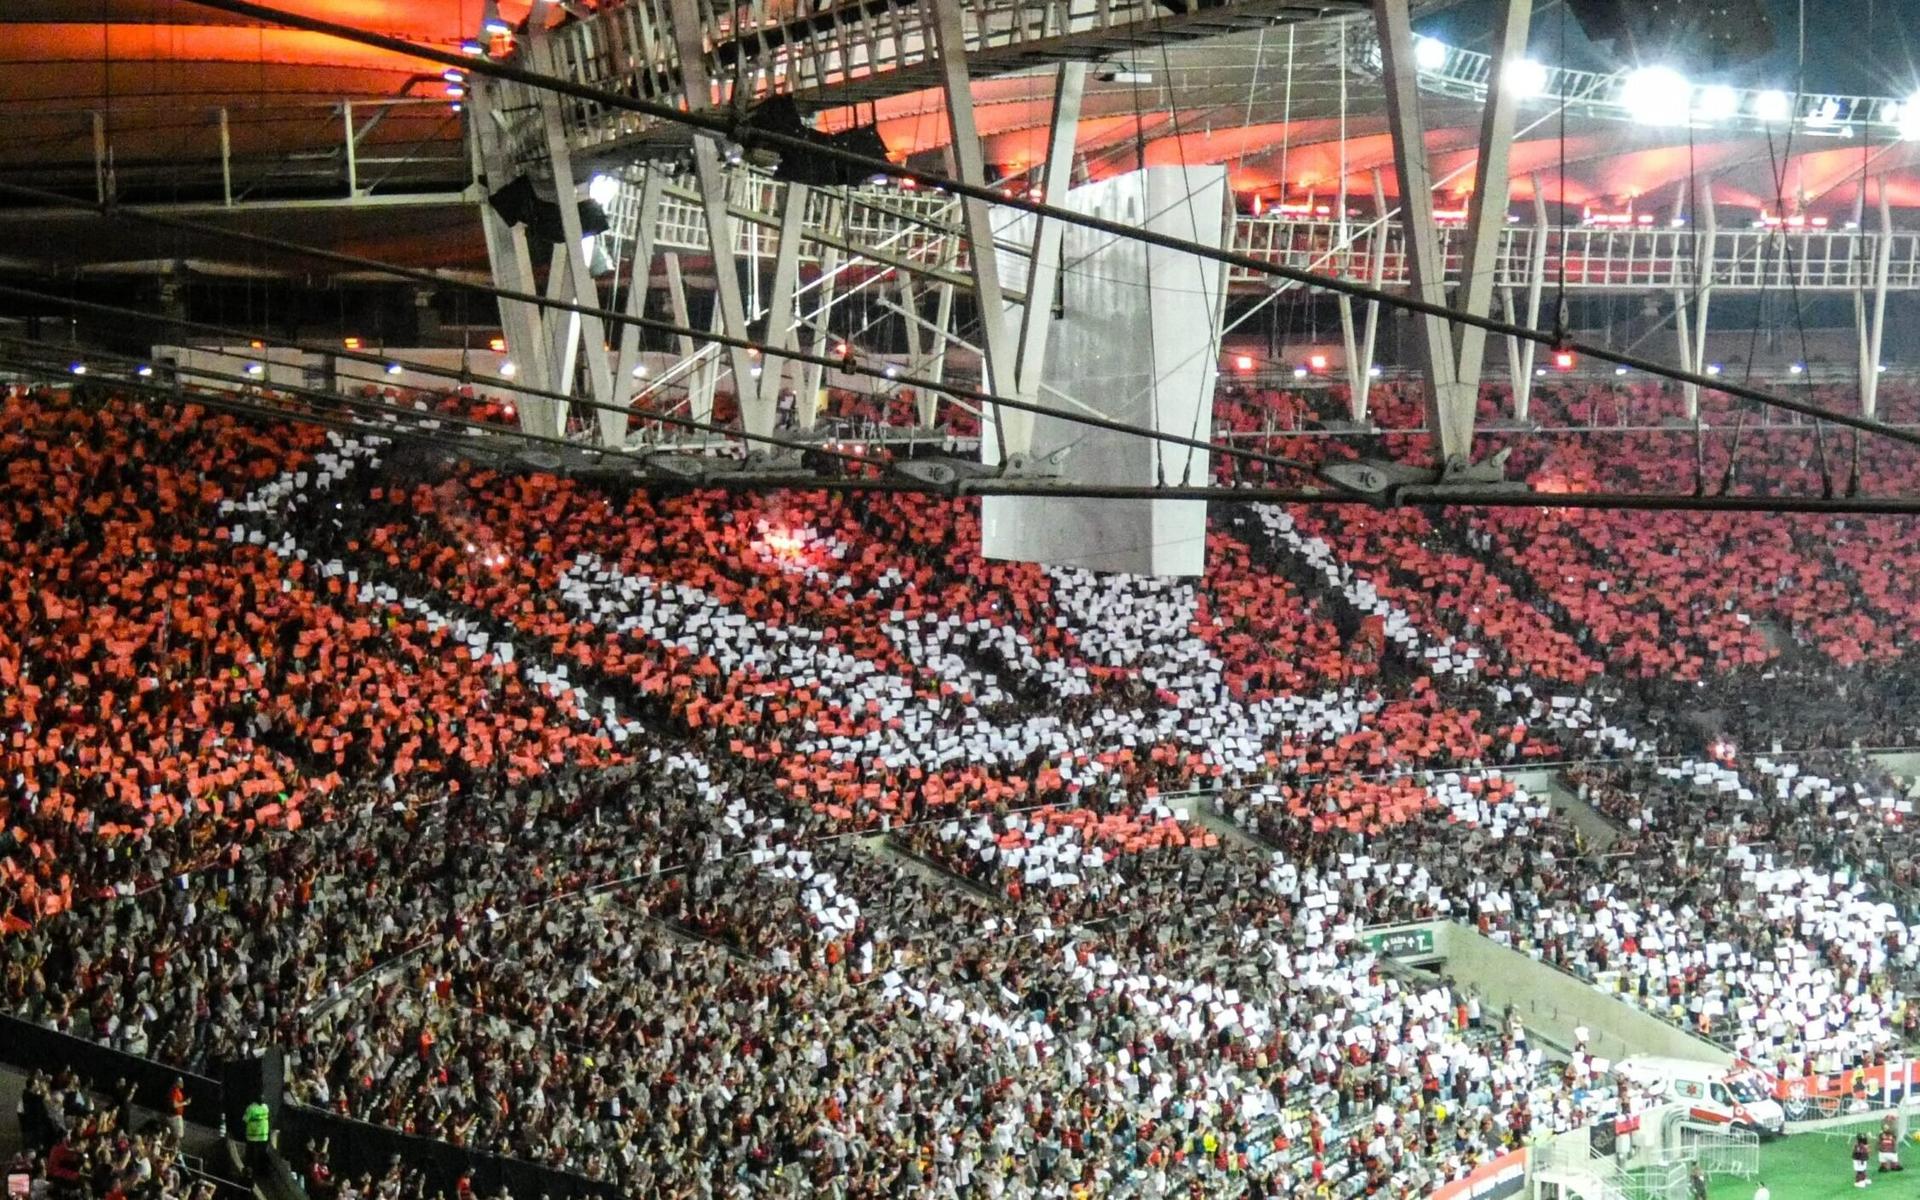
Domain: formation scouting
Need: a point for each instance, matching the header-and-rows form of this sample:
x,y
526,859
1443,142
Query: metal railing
x,y
1568,1158
920,228
831,53
347,145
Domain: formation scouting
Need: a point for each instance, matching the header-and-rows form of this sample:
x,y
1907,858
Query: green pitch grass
x,y
1819,1166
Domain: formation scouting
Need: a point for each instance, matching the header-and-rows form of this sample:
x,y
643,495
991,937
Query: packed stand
x,y
700,741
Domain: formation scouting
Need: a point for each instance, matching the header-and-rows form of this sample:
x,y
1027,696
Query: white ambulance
x,y
1714,1094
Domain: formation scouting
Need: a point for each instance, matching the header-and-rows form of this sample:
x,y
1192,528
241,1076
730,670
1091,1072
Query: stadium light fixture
x,y
508,370
603,190
145,371
492,22
1243,363
1718,103
1429,54
1828,114
1773,105
640,370
1299,372
78,368
1797,369
1619,370
1713,368
1526,78
393,368
1656,95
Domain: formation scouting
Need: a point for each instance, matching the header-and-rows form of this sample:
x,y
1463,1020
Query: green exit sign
x,y
1401,943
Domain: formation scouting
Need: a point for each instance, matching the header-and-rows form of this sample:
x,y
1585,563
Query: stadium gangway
x,y
1568,1162
829,53
919,233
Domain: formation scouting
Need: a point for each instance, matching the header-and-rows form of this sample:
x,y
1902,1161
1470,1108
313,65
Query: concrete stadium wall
x,y
1134,341
1555,1002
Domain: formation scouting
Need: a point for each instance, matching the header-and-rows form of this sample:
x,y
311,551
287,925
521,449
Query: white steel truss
x,y
1452,353
817,248
1870,311
851,51
1469,74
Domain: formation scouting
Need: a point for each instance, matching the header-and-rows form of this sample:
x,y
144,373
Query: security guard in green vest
x,y
258,1123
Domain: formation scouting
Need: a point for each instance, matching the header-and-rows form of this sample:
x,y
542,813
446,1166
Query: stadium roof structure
x,y
182,102
1293,112
149,81
377,129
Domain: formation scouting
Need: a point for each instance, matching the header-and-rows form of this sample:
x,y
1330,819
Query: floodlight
x,y
1717,103
1429,54
1774,105
1526,78
1656,95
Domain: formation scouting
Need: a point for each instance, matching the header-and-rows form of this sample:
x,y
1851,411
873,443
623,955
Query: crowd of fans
x,y
77,1145
723,845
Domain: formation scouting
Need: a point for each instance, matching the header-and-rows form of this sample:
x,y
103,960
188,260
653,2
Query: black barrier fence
x,y
36,1048
355,1147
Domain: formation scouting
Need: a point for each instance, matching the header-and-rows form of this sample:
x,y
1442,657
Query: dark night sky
x,y
1866,47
